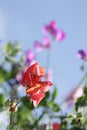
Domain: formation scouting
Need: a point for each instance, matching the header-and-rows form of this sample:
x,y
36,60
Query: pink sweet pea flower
x,y
38,46
82,54
60,35
78,93
51,28
45,44
74,95
30,57
54,31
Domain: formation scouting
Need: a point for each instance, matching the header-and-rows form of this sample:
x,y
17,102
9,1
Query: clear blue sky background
x,y
22,20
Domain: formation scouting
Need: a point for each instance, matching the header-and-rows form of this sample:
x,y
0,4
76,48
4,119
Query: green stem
x,y
36,122
11,118
83,78
48,59
20,101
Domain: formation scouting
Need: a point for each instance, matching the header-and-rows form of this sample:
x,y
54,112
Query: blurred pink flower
x,y
38,45
82,54
78,93
45,44
55,32
74,95
30,57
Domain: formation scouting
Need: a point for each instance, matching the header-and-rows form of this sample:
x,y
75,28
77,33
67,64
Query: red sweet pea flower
x,y
33,75
35,88
56,126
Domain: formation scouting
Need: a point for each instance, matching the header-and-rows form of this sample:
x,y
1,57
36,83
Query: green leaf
x,y
27,103
54,94
53,106
3,75
25,116
2,99
85,90
12,49
73,122
81,102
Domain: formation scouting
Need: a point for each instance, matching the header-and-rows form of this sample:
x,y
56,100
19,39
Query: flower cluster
x,y
56,33
29,57
35,88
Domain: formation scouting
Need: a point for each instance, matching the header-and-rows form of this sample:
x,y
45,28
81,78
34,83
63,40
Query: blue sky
x,y
22,20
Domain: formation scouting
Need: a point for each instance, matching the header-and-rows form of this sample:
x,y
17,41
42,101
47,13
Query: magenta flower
x,y
55,32
45,44
30,57
38,45
82,54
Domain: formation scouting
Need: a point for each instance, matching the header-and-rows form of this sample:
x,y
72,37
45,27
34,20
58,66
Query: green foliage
x,y
54,106
54,94
24,113
85,90
82,101
12,49
2,99
26,102
3,75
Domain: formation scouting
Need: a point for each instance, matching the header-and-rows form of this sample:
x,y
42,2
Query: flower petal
x,y
45,86
34,69
37,98
60,35
30,56
26,79
81,54
38,46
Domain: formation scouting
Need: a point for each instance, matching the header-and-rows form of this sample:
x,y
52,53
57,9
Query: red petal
x,y
26,80
37,98
45,86
46,83
34,69
33,90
